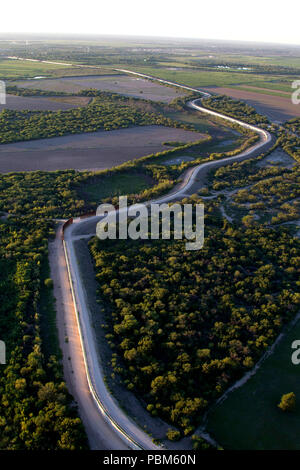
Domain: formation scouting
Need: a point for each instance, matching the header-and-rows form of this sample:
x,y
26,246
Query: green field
x,y
278,60
24,68
203,78
14,69
249,418
114,185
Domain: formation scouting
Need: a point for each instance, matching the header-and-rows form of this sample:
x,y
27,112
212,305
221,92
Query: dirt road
x,y
100,434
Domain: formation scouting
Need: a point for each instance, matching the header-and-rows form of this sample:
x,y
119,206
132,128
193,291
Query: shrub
x,y
287,402
48,283
173,435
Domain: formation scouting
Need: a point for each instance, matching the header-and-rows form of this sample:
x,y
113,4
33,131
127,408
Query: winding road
x,y
107,425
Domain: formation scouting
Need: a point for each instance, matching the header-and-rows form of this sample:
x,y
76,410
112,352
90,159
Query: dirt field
x,y
95,150
271,90
276,108
37,103
129,86
278,157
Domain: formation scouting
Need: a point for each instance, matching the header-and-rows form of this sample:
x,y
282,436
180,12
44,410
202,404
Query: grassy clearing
x,y
114,185
200,121
201,150
14,69
249,418
11,68
244,59
200,78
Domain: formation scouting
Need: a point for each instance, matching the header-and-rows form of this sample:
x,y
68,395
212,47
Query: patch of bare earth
x,y
123,84
37,103
91,150
276,108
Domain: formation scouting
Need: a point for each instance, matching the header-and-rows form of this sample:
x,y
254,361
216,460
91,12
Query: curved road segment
x,y
108,427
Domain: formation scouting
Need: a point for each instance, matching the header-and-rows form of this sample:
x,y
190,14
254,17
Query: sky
x,y
255,20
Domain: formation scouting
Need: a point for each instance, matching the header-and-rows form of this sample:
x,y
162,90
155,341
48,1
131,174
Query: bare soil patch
x,y
94,150
277,157
276,108
129,86
261,89
36,103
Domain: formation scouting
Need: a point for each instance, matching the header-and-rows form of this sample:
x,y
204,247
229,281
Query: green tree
x,y
173,435
287,402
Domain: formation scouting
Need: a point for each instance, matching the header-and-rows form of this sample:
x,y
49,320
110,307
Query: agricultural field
x,y
199,78
38,103
237,58
277,108
123,84
96,150
12,69
271,95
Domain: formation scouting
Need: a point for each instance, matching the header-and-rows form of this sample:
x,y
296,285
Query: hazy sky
x,y
254,20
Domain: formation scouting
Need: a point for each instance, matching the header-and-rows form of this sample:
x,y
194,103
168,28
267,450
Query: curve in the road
x,y
131,434
129,431
135,437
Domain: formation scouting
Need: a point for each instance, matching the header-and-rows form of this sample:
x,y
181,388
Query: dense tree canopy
x,y
235,108
35,407
186,324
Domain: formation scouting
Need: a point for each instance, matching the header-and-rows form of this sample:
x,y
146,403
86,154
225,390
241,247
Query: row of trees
x,y
235,108
107,111
293,125
289,137
18,91
28,125
36,411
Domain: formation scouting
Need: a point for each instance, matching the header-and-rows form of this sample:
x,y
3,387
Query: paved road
x,y
101,435
85,228
106,404
106,424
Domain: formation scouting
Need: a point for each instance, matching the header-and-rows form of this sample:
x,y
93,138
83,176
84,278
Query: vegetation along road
x,y
86,379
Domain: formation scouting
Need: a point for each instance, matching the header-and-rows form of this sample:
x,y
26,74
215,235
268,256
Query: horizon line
x,y
134,36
